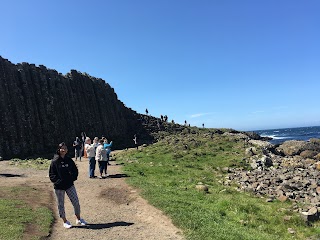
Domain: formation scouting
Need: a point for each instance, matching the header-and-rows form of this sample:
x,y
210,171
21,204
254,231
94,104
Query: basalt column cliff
x,y
40,108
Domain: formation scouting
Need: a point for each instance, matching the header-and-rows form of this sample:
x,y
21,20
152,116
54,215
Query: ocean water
x,y
285,134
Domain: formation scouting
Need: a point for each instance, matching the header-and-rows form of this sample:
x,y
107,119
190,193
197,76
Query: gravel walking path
x,y
112,209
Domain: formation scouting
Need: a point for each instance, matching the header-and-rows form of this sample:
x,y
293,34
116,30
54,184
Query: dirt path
x,y
112,208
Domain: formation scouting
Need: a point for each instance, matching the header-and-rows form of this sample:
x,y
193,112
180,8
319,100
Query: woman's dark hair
x,y
59,147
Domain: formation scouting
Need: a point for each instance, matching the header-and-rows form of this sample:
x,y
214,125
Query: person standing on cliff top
x,y
62,173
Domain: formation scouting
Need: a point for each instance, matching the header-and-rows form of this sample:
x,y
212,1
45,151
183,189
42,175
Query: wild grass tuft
x,y
38,163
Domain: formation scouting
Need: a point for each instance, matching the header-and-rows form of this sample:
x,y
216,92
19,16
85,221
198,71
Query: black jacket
x,y
63,172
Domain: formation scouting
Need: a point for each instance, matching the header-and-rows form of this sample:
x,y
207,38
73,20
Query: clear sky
x,y
242,64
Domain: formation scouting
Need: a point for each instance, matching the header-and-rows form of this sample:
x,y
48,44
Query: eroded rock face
x,y
40,108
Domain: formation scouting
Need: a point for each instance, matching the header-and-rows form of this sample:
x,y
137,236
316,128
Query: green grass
x,y
168,171
23,214
38,163
24,211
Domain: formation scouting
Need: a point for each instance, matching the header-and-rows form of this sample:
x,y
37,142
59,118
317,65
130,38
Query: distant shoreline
x,y
285,134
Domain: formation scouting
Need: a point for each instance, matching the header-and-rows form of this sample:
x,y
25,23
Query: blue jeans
x,y
92,166
78,154
108,158
102,165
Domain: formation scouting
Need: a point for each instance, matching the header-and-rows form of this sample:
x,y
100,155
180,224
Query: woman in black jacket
x,y
63,172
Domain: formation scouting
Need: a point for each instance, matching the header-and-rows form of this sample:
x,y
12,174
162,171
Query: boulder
x,y
266,161
308,154
256,136
261,143
317,165
311,215
282,198
251,151
291,148
291,231
317,157
202,188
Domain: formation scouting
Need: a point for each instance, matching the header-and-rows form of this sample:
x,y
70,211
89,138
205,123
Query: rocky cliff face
x,y
40,108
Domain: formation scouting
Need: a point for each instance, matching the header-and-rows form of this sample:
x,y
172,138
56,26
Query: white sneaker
x,y
81,222
67,224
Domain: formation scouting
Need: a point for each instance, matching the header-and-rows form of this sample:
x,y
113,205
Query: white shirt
x,y
90,149
101,153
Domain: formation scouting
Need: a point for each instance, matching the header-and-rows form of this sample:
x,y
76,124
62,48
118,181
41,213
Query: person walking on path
x,y
62,173
107,146
77,148
91,154
101,157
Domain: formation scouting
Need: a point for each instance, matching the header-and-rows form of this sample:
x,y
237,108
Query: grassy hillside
x,y
168,171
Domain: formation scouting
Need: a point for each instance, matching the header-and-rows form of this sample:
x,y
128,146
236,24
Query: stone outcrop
x,y
255,136
293,147
40,108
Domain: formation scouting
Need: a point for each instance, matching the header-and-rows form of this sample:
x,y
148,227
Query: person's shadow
x,y
10,175
104,225
118,175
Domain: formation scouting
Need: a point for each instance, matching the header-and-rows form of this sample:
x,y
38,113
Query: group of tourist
x,y
98,151
63,172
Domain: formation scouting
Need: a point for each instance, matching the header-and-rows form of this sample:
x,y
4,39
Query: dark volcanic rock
x,y
40,108
256,136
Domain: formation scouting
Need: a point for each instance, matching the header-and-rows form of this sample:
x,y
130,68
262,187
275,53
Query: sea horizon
x,y
280,135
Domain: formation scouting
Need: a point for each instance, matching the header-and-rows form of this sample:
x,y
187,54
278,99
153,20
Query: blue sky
x,y
246,64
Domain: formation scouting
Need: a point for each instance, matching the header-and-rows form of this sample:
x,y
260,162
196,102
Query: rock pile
x,y
287,172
